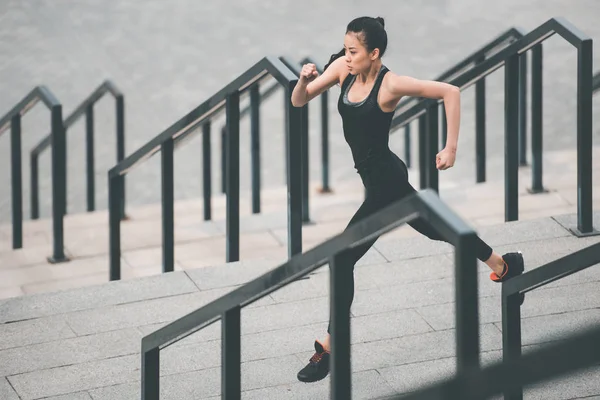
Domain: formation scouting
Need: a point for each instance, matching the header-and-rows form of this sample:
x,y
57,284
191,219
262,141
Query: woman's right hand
x,y
308,73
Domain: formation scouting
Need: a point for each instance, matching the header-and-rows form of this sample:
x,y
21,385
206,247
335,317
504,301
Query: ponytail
x,y
333,58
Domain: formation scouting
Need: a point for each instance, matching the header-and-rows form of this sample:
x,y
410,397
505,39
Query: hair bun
x,y
380,20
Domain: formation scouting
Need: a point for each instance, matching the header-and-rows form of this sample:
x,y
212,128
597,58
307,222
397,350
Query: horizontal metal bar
x,y
596,82
553,271
554,25
25,104
47,96
112,88
425,204
196,117
579,351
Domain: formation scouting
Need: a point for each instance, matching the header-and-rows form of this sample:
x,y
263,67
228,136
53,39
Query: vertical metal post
x,y
523,109
255,146
168,220
231,359
444,126
584,137
467,314
511,137
151,374
89,147
120,106
206,170
294,174
224,160
17,181
35,186
233,177
325,141
422,151
536,119
114,227
341,370
432,147
480,133
511,336
286,111
304,163
58,185
407,145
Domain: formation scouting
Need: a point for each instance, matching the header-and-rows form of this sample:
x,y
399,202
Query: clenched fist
x,y
308,73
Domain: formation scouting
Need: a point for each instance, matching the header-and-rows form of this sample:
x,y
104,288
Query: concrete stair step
x,y
202,243
84,342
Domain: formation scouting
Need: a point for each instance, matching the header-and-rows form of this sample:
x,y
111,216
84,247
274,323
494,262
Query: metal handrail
x,y
425,205
596,82
475,58
578,351
427,111
85,108
533,279
228,98
12,121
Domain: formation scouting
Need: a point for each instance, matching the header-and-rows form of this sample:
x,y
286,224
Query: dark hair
x,y
373,35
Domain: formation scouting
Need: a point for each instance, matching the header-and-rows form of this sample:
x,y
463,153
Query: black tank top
x,y
366,126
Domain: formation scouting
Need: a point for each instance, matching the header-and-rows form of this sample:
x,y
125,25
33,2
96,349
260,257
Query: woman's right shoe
x,y
318,365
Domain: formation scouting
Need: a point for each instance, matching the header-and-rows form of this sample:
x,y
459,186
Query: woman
x,y
369,95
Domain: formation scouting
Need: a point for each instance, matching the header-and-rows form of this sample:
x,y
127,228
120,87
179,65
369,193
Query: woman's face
x,y
358,59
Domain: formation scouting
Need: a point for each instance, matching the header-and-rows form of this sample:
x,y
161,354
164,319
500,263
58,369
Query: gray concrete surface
x,y
84,343
169,57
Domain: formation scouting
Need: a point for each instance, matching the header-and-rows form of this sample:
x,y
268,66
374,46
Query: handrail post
x,y
168,233
89,138
58,184
537,106
422,152
114,228
523,109
120,108
206,171
151,374
480,127
467,313
255,146
17,181
325,141
224,159
294,173
231,359
432,140
35,186
341,370
511,336
407,145
233,177
511,137
304,163
584,137
444,125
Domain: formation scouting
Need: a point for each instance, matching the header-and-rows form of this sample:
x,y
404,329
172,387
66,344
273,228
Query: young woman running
x,y
369,95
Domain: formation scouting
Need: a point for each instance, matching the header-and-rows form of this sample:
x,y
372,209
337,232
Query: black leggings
x,y
386,181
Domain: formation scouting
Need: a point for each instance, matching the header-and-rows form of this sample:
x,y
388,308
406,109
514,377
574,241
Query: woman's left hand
x,y
445,158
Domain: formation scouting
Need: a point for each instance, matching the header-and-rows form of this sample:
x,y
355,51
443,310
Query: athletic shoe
x,y
513,266
318,365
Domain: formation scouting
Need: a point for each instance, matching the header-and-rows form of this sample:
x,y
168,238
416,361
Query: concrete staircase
x,y
201,243
84,343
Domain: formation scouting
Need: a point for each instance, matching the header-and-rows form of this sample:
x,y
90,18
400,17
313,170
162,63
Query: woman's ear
x,y
374,55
